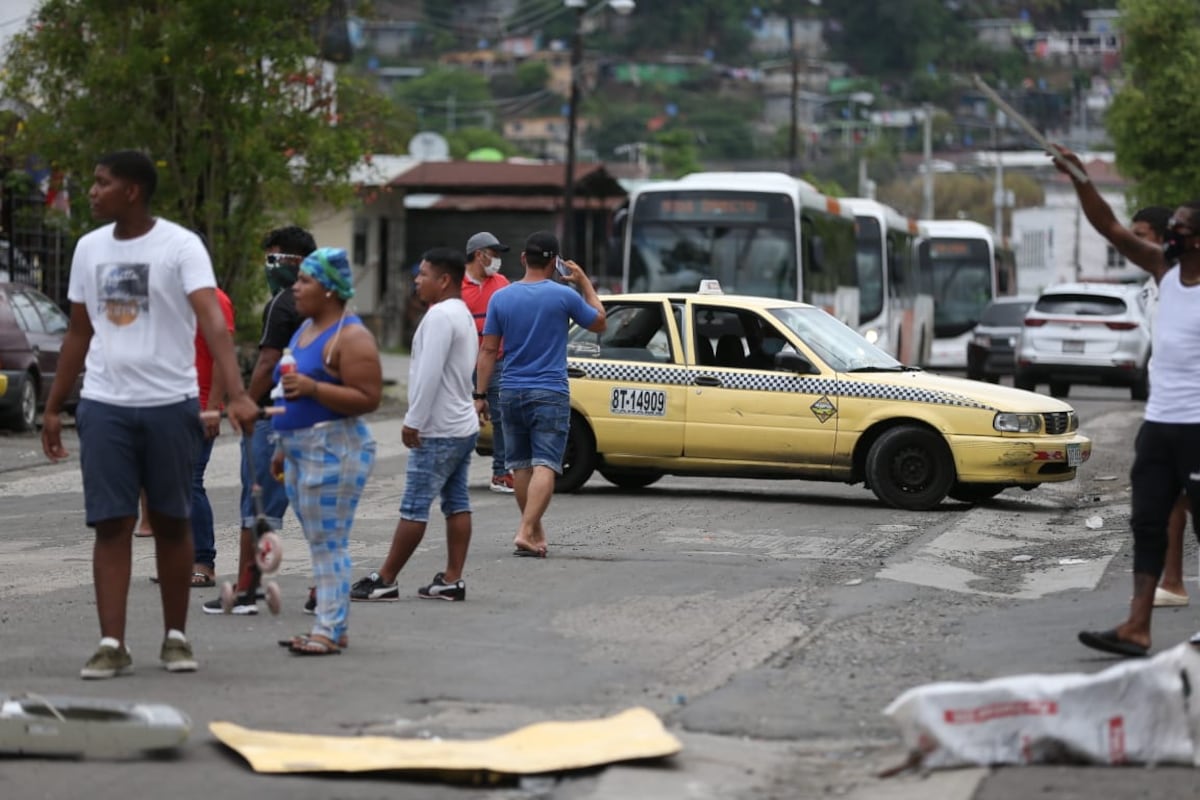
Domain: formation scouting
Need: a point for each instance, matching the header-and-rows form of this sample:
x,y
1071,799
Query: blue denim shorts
x,y
274,495
123,450
536,422
438,467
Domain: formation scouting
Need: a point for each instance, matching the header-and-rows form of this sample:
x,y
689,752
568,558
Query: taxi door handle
x,y
576,372
707,380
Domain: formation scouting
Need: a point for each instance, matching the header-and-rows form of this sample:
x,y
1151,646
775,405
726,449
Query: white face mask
x,y
492,267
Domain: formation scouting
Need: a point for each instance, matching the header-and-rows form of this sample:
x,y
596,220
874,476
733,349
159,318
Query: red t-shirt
x,y
204,359
477,296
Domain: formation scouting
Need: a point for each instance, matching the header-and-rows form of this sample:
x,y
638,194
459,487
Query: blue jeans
x,y
438,467
493,399
536,422
203,539
274,496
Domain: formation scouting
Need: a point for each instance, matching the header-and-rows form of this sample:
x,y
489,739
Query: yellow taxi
x,y
730,386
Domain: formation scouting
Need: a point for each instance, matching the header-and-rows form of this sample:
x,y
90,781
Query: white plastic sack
x,y
1137,712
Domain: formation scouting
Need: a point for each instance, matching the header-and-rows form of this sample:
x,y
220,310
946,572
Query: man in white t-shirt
x,y
139,286
440,429
1167,448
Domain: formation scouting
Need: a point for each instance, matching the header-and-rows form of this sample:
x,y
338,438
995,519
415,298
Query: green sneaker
x,y
176,655
108,662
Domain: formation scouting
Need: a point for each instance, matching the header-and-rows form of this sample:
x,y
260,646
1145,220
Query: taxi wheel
x,y
910,468
579,460
975,492
630,479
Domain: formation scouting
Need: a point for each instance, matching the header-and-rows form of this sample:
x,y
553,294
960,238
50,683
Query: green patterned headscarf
x,y
330,267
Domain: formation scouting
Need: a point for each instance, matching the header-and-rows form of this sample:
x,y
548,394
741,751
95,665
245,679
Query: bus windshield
x,y
960,273
746,240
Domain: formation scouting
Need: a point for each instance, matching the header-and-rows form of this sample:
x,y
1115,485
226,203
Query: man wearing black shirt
x,y
285,249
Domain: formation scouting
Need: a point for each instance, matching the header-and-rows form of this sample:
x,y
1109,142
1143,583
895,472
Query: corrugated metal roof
x,y
470,177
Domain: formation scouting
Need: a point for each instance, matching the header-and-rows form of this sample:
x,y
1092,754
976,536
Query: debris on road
x,y
1137,712
85,727
1094,523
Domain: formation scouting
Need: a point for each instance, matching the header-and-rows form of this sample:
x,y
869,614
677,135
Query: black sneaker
x,y
372,587
440,590
310,603
243,605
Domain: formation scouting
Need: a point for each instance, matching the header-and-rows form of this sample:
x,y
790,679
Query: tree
x,y
225,95
445,97
1153,119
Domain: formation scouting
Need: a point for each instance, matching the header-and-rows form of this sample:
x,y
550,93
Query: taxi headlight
x,y
1017,423
981,340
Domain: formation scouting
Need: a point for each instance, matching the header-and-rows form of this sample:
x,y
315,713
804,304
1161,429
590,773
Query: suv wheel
x,y
1023,380
1059,388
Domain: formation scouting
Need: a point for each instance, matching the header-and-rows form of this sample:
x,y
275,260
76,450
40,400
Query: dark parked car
x,y
31,334
991,351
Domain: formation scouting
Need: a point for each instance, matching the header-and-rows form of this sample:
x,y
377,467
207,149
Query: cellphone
x,y
562,268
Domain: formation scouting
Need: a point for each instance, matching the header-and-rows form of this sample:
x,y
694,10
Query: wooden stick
x,y
1054,151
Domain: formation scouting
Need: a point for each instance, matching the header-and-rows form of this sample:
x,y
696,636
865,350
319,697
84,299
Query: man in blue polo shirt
x,y
532,316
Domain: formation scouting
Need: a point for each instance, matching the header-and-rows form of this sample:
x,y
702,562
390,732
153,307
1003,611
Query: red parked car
x,y
31,334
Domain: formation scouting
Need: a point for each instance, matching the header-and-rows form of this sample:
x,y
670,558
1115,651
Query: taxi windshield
x,y
842,348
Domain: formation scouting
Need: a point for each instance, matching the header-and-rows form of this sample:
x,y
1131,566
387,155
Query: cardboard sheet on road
x,y
540,748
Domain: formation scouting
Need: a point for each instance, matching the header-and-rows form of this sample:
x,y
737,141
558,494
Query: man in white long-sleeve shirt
x,y
440,428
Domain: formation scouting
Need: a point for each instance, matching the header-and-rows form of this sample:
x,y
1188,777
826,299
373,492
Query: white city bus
x,y
894,311
758,233
965,268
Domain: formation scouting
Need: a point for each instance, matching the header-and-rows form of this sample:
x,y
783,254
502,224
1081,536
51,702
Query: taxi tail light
x,y
1121,326
1034,322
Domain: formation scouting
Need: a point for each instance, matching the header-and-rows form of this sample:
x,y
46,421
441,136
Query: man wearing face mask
x,y
1167,448
481,281
285,248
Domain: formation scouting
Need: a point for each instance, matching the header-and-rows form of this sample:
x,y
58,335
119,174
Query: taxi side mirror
x,y
794,362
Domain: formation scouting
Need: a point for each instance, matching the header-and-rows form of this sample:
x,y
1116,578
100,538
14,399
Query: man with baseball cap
x,y
482,280
532,316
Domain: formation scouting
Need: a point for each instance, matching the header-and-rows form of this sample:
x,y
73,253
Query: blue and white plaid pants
x,y
325,470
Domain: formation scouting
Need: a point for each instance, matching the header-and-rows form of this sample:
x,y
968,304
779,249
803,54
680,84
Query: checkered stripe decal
x,y
769,382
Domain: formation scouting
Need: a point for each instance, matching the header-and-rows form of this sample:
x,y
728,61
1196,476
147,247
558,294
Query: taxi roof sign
x,y
710,287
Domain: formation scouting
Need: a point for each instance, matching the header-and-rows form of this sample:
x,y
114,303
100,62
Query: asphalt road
x,y
766,623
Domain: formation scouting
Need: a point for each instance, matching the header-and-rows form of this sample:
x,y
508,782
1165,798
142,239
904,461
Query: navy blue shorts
x,y
123,450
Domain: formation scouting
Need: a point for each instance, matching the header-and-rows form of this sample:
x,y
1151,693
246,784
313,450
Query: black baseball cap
x,y
542,243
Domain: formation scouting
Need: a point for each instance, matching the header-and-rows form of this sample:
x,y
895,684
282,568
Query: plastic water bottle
x,y
287,365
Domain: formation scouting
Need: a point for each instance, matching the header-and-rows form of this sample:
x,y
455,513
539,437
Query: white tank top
x,y
1175,365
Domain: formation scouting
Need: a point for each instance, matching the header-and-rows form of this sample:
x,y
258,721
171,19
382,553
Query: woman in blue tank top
x,y
325,451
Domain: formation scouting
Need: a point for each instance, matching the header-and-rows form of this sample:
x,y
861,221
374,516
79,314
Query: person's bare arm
x,y
210,319
1144,254
70,363
580,279
262,379
356,363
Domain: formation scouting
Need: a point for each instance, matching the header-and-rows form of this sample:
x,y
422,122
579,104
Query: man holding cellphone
x,y
532,317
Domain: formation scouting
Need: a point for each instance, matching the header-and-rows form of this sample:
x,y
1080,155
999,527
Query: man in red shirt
x,y
212,396
481,281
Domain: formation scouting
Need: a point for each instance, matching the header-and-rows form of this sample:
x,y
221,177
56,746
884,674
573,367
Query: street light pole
x,y
622,7
568,237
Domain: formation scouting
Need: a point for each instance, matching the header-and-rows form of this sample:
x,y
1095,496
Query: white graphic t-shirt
x,y
136,294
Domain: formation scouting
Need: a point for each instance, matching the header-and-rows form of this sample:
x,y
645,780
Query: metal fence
x,y
35,242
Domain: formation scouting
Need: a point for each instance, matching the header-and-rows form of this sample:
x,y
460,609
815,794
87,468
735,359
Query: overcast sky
x,y
13,14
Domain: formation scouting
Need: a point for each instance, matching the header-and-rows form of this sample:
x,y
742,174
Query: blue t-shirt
x,y
533,319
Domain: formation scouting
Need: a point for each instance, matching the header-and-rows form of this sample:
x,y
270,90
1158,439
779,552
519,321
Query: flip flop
x,y
523,553
343,642
143,534
309,646
1165,599
200,580
1109,642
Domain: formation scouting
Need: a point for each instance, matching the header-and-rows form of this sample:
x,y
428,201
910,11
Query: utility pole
x,y
927,153
793,131
998,194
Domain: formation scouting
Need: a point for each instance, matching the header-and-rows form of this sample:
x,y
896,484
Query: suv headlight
x,y
1017,423
981,340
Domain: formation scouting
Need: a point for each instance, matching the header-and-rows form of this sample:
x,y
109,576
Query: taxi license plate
x,y
1072,346
638,402
1074,455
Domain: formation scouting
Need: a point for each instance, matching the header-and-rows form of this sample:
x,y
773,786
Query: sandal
x,y
343,641
313,646
200,580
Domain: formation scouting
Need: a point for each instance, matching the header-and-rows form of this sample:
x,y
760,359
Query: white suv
x,y
1091,333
